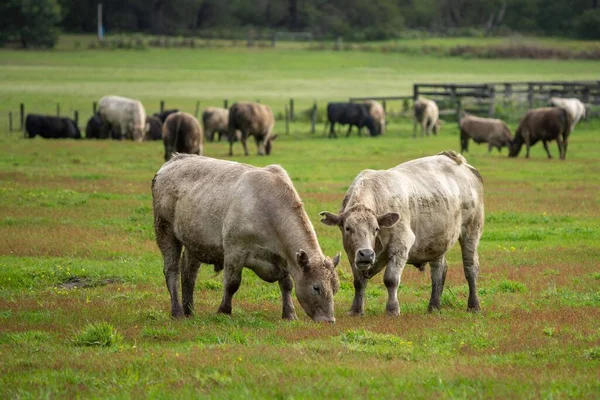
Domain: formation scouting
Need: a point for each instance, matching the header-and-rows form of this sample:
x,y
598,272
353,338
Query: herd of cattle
x,y
123,118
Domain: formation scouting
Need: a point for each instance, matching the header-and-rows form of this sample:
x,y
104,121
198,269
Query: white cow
x,y
574,107
126,117
427,115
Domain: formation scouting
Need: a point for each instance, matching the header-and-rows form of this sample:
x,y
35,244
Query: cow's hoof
x,y
392,313
354,313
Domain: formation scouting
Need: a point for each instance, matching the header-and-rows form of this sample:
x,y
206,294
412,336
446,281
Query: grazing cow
x,y
427,115
126,117
261,226
377,113
252,119
93,129
50,127
351,114
574,107
164,114
543,124
215,120
154,129
492,131
412,214
182,133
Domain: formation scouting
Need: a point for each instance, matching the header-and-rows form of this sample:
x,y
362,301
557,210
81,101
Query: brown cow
x,y
252,119
545,124
182,133
492,131
262,225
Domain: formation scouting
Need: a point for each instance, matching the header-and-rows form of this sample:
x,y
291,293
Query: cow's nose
x,y
365,255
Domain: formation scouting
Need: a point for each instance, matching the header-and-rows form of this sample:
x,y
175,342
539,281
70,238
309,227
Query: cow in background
x,y
252,119
351,114
50,127
182,133
427,115
492,131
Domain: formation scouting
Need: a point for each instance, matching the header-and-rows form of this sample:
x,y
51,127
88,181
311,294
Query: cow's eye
x,y
348,229
377,230
317,289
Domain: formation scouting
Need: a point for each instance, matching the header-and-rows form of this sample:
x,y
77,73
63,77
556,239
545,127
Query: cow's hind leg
x,y
561,147
170,248
468,245
232,279
189,271
438,278
286,285
548,150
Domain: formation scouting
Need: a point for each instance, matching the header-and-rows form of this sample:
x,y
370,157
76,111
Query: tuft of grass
x,y
100,334
593,353
161,333
508,286
389,346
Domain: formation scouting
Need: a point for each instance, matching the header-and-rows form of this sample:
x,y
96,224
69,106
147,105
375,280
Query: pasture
x,y
84,310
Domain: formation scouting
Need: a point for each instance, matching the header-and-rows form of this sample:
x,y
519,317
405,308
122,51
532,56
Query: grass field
x,y
84,311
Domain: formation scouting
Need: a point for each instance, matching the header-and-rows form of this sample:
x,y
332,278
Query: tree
x,y
34,23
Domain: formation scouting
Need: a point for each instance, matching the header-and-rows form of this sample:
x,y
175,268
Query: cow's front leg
x,y
286,285
438,278
360,285
232,279
391,279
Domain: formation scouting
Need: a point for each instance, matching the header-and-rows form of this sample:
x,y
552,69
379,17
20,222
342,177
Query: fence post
x,y
76,117
415,96
22,116
287,120
313,118
197,110
94,107
458,111
384,106
530,95
162,105
225,103
292,109
10,121
58,109
492,105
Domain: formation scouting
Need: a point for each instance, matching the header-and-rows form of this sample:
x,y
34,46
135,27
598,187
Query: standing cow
x,y
412,214
492,131
153,129
574,107
215,120
262,225
427,116
50,127
182,133
543,124
126,117
252,119
351,114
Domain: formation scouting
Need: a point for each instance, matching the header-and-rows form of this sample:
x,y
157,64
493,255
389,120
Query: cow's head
x,y
370,124
317,285
437,126
360,228
269,144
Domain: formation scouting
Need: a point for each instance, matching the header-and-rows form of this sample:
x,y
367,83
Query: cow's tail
x,y
568,123
177,136
460,160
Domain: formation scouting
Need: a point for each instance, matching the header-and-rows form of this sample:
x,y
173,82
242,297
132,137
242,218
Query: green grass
x,y
78,259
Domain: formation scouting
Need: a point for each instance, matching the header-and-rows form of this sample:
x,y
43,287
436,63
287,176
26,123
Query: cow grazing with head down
x,y
377,113
543,124
574,107
252,119
412,214
427,116
351,114
262,226
125,117
162,115
50,127
492,131
182,133
153,129
215,120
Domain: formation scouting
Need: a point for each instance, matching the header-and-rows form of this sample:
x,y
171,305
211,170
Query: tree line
x,y
38,22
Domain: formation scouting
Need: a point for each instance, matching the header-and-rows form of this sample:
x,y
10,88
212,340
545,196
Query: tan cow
x,y
234,215
215,120
492,131
412,214
252,119
182,133
545,124
125,117
377,113
427,116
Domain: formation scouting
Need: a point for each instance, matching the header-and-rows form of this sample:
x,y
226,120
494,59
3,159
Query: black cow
x,y
352,114
51,127
96,128
154,130
164,114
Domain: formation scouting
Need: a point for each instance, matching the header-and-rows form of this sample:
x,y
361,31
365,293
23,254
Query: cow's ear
x,y
330,219
388,219
336,260
302,260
